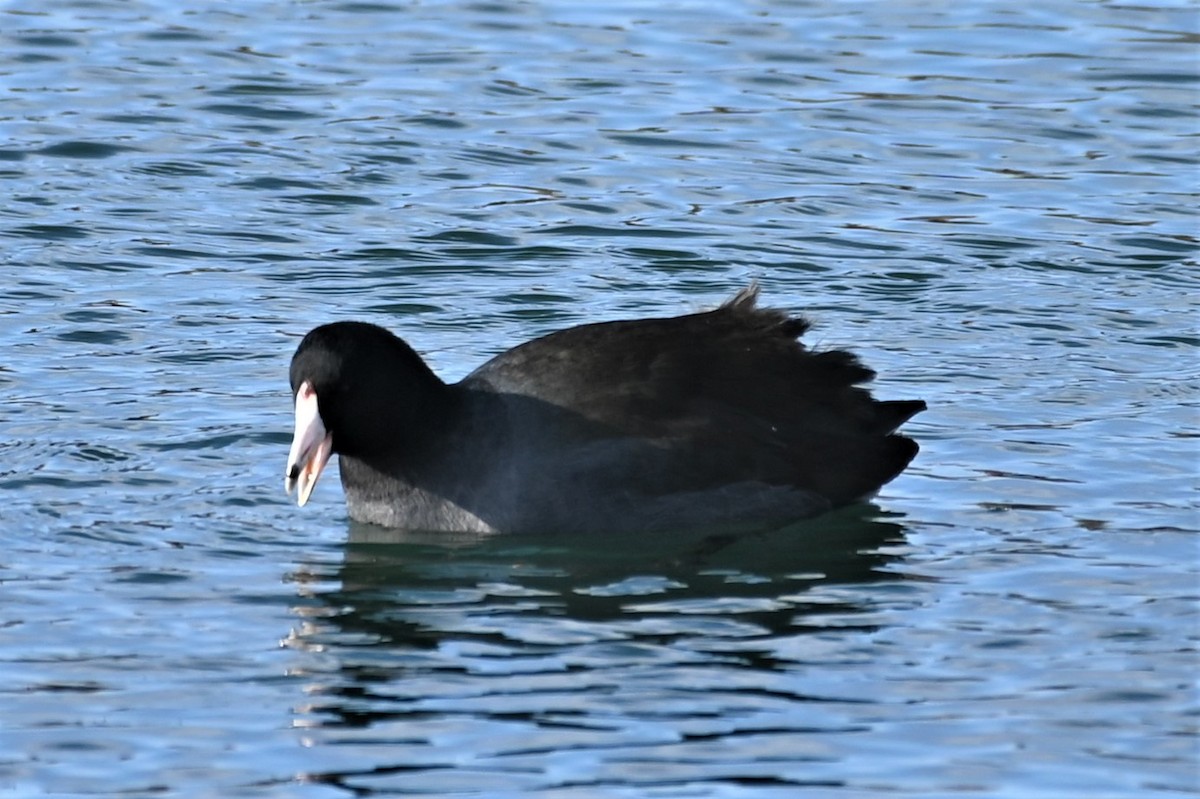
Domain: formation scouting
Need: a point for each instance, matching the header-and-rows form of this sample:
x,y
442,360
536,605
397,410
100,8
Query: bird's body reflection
x,y
572,645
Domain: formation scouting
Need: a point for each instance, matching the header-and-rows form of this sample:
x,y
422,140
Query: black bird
x,y
713,419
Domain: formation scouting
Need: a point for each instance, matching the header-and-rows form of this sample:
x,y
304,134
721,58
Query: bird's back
x,y
670,410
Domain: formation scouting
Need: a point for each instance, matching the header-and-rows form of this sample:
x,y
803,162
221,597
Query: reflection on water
x,y
602,652
594,579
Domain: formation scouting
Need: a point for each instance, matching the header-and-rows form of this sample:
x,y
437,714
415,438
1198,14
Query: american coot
x,y
711,419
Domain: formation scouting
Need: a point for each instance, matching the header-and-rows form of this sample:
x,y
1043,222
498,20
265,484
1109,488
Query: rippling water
x,y
994,204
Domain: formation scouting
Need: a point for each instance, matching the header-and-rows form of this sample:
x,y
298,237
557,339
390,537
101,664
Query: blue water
x,y
993,203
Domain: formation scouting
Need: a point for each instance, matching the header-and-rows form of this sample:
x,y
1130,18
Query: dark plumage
x,y
709,419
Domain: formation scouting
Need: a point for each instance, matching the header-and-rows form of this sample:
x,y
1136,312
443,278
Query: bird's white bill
x,y
311,449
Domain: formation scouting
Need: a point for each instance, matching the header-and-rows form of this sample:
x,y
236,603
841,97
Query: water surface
x,y
995,206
